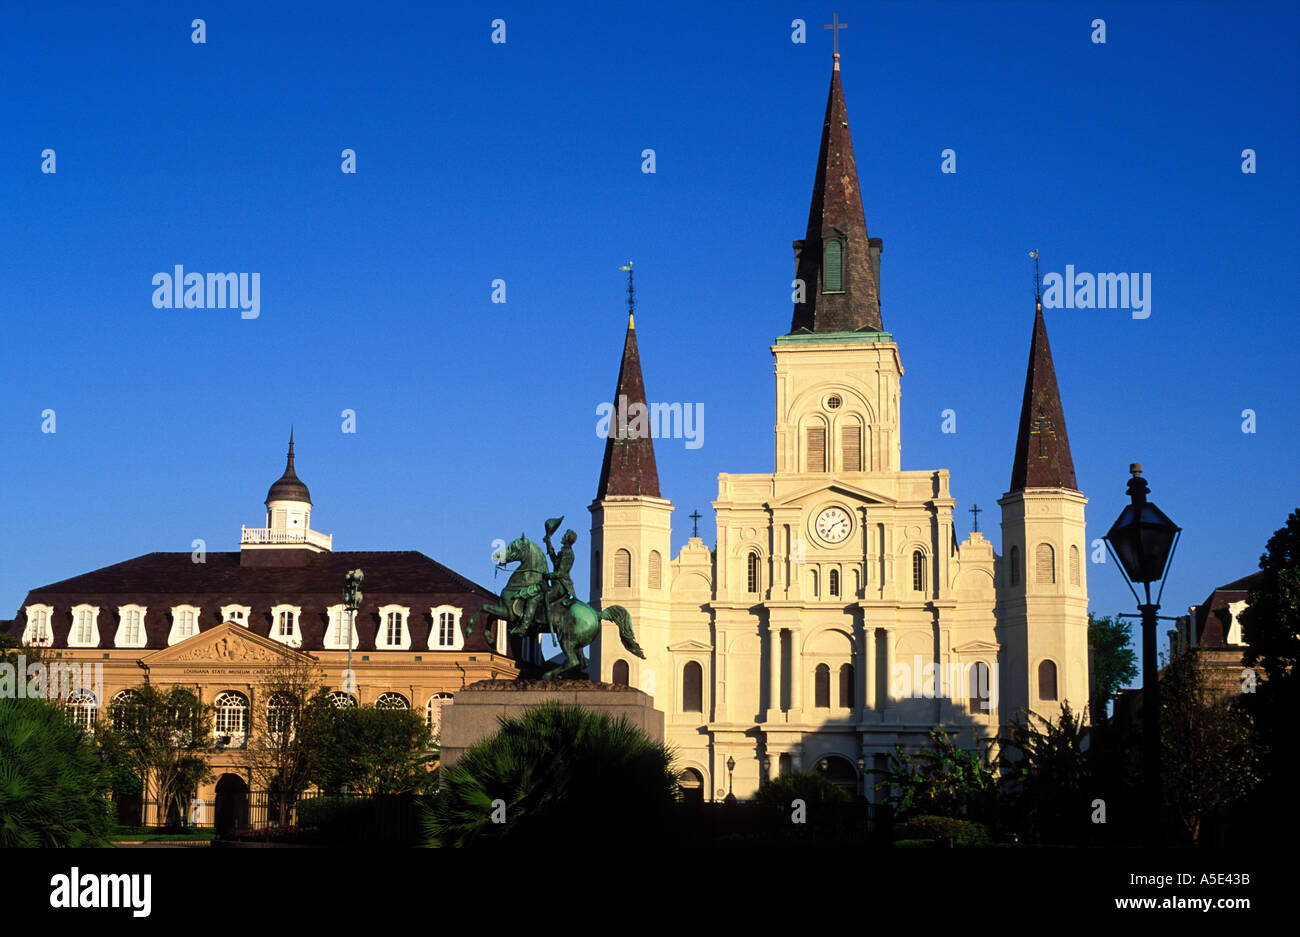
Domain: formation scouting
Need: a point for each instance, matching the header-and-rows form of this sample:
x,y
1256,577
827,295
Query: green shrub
x,y
811,787
943,829
335,814
54,791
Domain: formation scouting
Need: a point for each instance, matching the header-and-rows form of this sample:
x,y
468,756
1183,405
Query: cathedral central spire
x,y
838,264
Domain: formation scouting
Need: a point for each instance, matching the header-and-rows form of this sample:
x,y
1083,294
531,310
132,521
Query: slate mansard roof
x,y
161,581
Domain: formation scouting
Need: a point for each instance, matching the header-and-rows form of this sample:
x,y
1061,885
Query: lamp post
x,y
731,767
352,601
1142,541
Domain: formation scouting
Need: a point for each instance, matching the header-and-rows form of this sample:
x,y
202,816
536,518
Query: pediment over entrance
x,y
976,647
226,644
690,645
843,489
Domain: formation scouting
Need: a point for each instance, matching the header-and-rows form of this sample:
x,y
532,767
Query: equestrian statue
x,y
539,599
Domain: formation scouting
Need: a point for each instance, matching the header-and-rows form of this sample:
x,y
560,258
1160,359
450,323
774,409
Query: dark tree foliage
x,y
366,750
558,774
1114,662
1047,778
942,780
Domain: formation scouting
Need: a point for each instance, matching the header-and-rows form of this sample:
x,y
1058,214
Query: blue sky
x,y
522,161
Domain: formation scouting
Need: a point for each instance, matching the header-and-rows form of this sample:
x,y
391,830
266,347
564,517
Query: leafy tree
x,y
1046,776
1271,626
943,780
161,737
278,753
1114,662
812,787
54,791
1207,756
366,750
556,774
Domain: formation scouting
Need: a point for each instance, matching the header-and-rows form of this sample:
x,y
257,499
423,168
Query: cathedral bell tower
x,y
631,532
1043,593
838,370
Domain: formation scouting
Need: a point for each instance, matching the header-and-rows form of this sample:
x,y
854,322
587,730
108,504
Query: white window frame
x,y
338,615
175,637
294,638
239,737
457,636
443,700
30,637
404,636
227,614
82,709
74,633
388,694
121,639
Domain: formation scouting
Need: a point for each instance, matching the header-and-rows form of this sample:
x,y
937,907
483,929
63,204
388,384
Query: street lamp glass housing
x,y
1143,539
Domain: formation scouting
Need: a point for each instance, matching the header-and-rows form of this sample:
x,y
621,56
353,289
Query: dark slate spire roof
x,y
1042,447
289,487
836,213
629,465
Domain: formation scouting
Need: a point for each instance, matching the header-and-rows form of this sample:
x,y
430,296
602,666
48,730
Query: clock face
x,y
834,525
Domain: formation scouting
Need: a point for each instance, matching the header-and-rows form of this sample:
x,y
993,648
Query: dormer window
x,y
833,266
38,630
238,614
130,630
185,623
85,626
336,633
393,634
284,625
446,634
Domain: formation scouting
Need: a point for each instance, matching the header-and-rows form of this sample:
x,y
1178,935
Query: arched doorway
x,y
692,784
840,772
231,810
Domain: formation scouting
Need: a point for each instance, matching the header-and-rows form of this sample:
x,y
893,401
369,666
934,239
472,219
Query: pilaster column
x,y
774,673
796,674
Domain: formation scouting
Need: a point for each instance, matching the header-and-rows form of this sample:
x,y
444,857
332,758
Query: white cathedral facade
x,y
838,615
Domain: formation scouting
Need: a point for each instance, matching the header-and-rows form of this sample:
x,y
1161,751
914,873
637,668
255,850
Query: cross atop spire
x,y
631,295
835,26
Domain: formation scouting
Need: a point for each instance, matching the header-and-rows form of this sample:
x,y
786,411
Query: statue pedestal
x,y
475,711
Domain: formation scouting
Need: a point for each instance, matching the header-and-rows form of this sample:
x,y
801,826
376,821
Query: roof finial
x,y
1038,289
835,26
631,295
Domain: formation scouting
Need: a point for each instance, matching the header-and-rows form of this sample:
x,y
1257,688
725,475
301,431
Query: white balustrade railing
x,y
257,536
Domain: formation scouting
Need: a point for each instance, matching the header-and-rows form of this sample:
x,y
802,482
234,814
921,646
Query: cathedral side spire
x,y
629,466
1042,447
837,262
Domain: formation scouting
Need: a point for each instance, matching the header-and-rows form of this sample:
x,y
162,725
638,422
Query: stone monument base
x,y
475,711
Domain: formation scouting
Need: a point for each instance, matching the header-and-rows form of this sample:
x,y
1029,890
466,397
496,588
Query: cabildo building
x,y
220,625
838,595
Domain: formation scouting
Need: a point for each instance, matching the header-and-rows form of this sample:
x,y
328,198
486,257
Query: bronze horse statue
x,y
529,606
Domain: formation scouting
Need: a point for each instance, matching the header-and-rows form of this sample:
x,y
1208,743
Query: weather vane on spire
x,y
1038,295
835,26
631,291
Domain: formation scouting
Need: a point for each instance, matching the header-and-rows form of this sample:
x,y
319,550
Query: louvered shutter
x,y
816,448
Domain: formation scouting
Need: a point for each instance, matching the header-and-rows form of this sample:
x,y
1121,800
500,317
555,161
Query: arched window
x,y
979,694
620,675
341,700
81,708
1014,566
1074,565
846,686
833,582
851,447
1045,564
281,714
857,583
918,571
753,574
692,687
833,267
126,711
392,701
784,763
816,451
1047,680
622,569
433,711
655,570
812,579
230,714
822,687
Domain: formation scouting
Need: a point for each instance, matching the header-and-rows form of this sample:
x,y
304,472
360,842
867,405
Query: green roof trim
x,y
833,338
